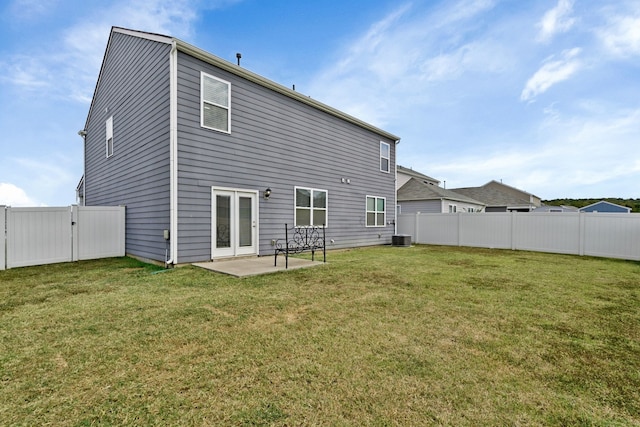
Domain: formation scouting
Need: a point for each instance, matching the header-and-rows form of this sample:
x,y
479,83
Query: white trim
x,y
202,101
387,158
311,208
173,153
142,34
398,208
375,211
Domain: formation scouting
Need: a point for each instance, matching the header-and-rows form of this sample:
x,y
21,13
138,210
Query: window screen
x,y
215,103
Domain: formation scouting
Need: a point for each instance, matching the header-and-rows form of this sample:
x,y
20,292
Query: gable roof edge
x,y
207,57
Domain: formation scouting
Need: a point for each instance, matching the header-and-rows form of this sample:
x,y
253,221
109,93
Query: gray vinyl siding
x,y
422,206
280,143
134,89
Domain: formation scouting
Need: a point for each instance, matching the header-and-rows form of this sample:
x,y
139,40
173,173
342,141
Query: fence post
x,y
513,230
459,227
581,228
3,233
416,228
75,250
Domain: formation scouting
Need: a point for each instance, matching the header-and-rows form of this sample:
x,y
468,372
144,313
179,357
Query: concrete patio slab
x,y
253,266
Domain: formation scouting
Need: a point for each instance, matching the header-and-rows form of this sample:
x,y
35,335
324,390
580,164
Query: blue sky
x,y
543,95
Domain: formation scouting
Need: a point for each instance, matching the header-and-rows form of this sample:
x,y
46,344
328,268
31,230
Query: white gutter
x,y
173,155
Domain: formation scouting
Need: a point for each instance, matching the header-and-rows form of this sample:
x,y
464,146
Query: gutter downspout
x,y
173,155
395,195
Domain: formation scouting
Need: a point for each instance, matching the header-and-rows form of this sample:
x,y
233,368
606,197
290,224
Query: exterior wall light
x,y
267,193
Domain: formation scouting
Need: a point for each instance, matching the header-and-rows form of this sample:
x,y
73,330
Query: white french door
x,y
234,222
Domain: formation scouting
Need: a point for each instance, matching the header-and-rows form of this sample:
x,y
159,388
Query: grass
x,y
379,336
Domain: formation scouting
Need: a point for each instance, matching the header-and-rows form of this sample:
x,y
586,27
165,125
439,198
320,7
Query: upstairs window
x,y
385,155
109,137
376,209
311,207
216,103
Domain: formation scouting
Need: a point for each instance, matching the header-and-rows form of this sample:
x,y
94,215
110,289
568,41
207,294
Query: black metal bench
x,y
301,239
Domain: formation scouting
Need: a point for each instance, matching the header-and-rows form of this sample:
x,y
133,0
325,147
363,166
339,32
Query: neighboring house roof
x,y
604,206
495,193
244,73
547,208
416,189
415,174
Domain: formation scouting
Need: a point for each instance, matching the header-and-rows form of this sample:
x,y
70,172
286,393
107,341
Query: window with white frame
x,y
385,156
215,103
109,137
376,209
453,209
311,207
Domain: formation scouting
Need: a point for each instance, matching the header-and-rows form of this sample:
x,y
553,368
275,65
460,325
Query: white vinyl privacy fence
x,y
35,236
595,234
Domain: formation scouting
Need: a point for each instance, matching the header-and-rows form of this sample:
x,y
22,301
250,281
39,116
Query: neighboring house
x,y
212,160
500,197
405,174
546,208
605,207
417,195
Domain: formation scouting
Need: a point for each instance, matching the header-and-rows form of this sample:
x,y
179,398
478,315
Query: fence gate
x,y
36,236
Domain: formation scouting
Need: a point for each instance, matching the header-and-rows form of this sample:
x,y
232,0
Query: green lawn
x,y
378,336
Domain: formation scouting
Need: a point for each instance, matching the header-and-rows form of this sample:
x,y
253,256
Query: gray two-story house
x,y
212,160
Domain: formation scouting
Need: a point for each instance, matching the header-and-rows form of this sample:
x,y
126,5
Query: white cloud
x,y
550,73
564,155
31,9
12,195
26,72
622,36
391,65
75,56
556,20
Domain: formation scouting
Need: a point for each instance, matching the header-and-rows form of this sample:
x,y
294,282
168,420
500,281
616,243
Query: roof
x,y
612,207
493,195
550,208
417,189
415,174
246,74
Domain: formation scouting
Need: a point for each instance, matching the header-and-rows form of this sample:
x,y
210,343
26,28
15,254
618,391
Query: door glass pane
x,y
245,221
223,221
